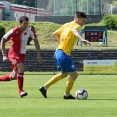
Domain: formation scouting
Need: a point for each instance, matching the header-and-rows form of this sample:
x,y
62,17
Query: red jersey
x,y
19,39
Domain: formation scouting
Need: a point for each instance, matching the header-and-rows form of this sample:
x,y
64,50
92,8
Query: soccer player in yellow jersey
x,y
67,35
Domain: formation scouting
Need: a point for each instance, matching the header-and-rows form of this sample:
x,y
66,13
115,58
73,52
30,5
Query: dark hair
x,y
23,18
80,15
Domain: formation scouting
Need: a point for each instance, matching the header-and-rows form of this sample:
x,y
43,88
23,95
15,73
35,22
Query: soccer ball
x,y
81,94
100,43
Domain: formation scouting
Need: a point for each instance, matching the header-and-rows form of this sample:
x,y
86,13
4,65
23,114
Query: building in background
x,y
9,11
12,12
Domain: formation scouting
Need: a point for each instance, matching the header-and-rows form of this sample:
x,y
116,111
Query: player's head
x,y
80,18
23,22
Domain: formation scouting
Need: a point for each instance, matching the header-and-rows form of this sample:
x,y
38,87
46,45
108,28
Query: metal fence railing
x,y
69,7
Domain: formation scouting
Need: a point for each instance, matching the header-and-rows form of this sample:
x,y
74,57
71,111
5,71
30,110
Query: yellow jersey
x,y
67,38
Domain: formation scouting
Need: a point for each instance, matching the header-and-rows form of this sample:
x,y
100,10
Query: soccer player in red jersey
x,y
16,54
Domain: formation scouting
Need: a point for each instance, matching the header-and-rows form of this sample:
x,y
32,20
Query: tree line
x,y
31,3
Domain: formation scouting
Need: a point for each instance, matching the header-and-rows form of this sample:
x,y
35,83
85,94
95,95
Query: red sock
x,y
20,80
6,77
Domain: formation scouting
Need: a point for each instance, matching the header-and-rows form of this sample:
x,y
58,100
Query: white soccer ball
x,y
100,43
81,94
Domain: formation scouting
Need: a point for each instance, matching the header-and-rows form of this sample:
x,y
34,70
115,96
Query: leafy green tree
x,y
31,3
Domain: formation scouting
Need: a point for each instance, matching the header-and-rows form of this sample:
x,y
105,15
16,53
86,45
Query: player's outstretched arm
x,y
76,33
56,35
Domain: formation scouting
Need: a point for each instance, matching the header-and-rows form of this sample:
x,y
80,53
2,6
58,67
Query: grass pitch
x,y
101,101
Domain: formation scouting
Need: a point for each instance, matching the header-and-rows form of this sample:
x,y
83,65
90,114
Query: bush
x,y
110,21
2,32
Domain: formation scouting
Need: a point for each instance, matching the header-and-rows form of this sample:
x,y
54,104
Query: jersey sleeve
x,y
59,30
8,35
78,27
33,34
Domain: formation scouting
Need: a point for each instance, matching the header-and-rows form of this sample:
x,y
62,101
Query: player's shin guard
x,y
69,85
53,80
20,80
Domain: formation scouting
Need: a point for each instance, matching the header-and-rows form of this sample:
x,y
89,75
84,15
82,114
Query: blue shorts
x,y
64,62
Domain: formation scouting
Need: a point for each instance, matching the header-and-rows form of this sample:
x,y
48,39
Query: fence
x,y
69,7
48,63
10,11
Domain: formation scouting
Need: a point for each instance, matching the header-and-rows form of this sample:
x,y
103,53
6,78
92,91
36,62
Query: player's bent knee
x,y
63,75
77,75
14,77
21,69
74,76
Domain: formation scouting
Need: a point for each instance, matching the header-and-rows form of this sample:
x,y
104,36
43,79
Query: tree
x,y
30,3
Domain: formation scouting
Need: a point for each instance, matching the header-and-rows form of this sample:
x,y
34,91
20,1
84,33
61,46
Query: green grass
x,y
101,101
